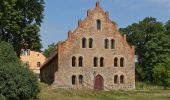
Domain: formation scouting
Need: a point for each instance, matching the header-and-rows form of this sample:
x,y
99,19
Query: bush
x,y
2,97
16,81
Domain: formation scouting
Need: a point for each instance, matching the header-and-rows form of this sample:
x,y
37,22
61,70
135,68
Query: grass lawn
x,y
144,93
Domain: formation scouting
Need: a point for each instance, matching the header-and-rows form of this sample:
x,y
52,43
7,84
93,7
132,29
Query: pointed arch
x,y
99,82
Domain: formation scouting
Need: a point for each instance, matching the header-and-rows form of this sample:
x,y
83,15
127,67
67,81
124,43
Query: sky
x,y
60,16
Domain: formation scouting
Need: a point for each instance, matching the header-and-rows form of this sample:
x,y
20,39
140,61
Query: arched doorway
x,y
98,83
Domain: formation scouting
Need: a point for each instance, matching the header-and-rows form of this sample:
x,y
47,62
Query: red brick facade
x,y
94,55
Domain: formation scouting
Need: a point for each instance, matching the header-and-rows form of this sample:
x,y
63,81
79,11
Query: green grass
x,y
143,92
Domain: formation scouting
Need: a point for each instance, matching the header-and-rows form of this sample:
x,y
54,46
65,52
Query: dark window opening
x,y
83,43
115,62
116,79
121,79
74,80
38,64
121,62
112,44
98,24
26,64
106,43
101,62
95,62
73,61
80,61
90,43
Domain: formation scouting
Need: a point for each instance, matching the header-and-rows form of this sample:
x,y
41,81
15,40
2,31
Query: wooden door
x,y
98,85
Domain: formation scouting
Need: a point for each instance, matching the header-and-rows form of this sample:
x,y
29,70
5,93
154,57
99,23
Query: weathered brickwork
x,y
108,77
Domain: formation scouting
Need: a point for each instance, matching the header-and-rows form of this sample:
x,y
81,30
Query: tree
x,y
147,38
47,52
161,74
16,81
19,23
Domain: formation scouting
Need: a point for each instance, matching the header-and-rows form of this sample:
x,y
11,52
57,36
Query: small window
x,y
28,52
122,79
98,24
90,43
121,62
116,62
80,79
84,43
95,61
74,80
101,62
116,79
106,43
73,61
38,64
27,64
112,44
80,61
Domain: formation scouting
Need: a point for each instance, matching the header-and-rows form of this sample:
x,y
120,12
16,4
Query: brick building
x,y
95,56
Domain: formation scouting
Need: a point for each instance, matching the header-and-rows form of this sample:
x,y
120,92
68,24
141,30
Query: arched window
x,y
80,61
84,43
115,62
121,62
121,79
98,24
112,44
116,79
90,43
101,62
106,44
73,61
95,61
80,79
74,80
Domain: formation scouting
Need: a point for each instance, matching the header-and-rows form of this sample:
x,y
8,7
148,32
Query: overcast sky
x,y
62,15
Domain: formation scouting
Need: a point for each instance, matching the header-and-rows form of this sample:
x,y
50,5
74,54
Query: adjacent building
x,y
32,59
95,56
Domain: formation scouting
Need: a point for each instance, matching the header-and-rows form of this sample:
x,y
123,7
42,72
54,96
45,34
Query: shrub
x,y
16,81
